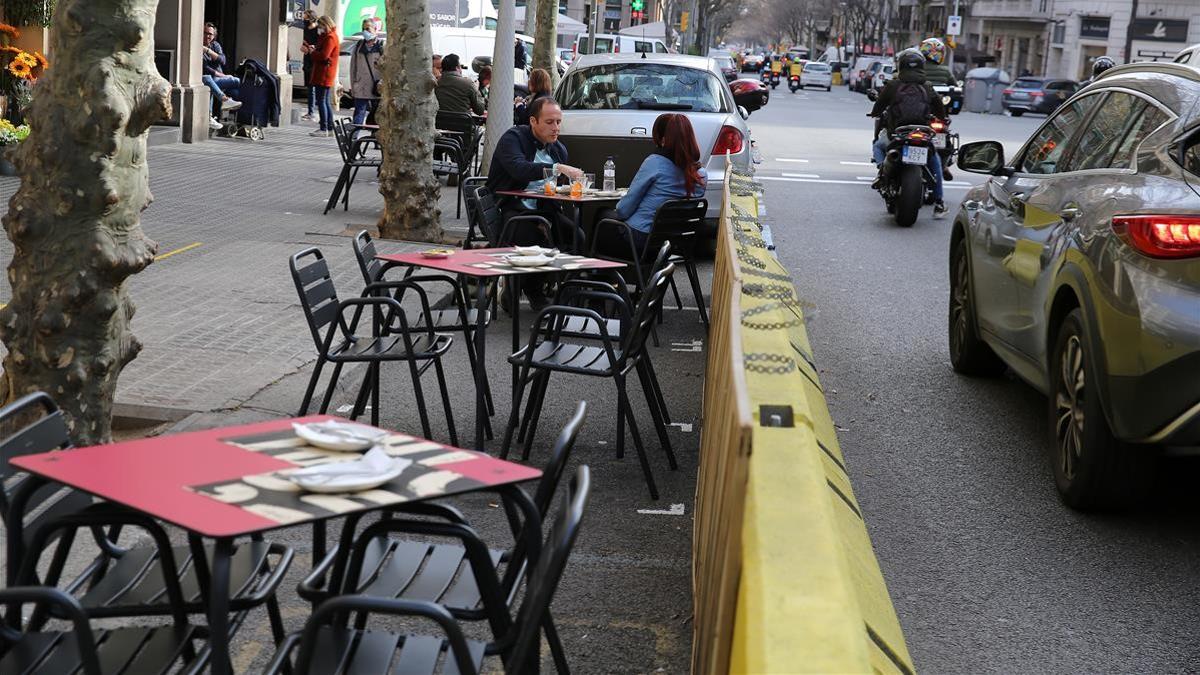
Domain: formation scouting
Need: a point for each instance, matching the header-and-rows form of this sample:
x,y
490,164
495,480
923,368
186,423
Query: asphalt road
x,y
987,570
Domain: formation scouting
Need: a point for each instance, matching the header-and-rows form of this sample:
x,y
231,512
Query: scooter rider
x,y
936,74
1101,64
907,99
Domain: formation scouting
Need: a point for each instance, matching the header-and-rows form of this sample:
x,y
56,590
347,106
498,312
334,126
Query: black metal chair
x,y
355,156
474,231
118,582
92,651
326,645
464,130
547,352
456,319
391,338
440,572
678,221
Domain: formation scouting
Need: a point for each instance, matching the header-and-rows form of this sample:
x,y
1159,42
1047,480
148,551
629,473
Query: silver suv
x,y
1077,265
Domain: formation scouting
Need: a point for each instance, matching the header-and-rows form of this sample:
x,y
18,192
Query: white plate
x,y
606,193
535,250
342,436
349,482
529,260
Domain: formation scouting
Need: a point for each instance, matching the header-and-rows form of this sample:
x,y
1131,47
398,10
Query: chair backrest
x,y
491,222
43,433
461,123
543,580
343,138
678,219
553,471
364,252
647,311
314,285
471,199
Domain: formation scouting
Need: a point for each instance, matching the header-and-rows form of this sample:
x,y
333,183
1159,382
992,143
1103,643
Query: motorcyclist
x,y
907,99
1101,64
937,74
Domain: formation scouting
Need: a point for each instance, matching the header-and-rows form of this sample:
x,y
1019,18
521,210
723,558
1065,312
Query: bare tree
x,y
406,130
545,36
75,220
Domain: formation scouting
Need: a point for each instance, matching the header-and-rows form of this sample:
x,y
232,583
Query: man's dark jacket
x,y
456,93
888,96
512,162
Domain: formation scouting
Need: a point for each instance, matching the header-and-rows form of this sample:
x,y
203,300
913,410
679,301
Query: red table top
x,y
219,483
489,262
586,198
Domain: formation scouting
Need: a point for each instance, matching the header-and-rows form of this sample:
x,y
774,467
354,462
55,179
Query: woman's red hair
x,y
673,133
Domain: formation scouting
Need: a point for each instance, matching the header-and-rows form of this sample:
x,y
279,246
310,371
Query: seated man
x,y
224,87
454,92
521,155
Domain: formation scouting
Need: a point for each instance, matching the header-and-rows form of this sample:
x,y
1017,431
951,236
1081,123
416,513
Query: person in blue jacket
x,y
671,171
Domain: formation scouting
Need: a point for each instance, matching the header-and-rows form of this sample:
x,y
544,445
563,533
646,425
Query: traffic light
x,y
683,21
637,5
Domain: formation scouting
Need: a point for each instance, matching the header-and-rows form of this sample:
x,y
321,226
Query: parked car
x,y
725,64
1190,56
1037,95
750,93
610,102
860,72
883,73
1077,266
566,56
752,62
816,75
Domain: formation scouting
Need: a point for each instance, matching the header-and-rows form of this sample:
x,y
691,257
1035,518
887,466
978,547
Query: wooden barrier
x,y
784,576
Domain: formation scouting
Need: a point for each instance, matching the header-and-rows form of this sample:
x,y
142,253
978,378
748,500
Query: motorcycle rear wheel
x,y
908,201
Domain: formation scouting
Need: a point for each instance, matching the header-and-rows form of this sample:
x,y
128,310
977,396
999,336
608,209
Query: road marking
x,y
802,175
690,346
685,427
785,159
864,178
835,182
857,163
168,254
675,510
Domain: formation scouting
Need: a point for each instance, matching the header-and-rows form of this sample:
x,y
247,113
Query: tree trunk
x,y
74,222
406,127
500,100
545,37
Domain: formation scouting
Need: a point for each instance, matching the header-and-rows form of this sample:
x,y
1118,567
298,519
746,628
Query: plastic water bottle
x,y
610,175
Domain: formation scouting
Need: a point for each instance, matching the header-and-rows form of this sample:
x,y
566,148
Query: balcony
x,y
1021,10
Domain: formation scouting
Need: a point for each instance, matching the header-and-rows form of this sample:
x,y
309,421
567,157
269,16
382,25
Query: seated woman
x,y
539,87
672,171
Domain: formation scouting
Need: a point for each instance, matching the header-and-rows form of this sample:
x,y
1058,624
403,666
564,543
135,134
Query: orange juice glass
x,y
548,188
576,189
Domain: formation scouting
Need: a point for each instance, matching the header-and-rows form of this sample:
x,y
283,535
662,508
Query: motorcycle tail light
x,y
729,141
1166,236
917,136
937,125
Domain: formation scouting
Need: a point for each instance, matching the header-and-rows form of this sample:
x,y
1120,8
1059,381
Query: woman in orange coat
x,y
324,73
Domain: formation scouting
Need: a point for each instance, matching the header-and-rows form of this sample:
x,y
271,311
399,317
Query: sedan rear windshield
x,y
816,68
1025,83
645,86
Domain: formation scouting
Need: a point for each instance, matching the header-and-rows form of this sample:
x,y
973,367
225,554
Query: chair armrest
x,y
432,509
401,286
374,605
68,607
312,587
280,664
539,326
268,586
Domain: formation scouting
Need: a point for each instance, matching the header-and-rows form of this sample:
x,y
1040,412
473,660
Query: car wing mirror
x,y
985,157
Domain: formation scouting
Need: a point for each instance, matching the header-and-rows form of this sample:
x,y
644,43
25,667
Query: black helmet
x,y
910,59
1101,64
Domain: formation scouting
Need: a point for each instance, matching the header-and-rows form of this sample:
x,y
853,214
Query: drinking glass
x,y
589,180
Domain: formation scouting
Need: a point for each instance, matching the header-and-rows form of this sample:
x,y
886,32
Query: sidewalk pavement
x,y
225,342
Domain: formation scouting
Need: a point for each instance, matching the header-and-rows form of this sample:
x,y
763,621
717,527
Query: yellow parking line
x,y
168,254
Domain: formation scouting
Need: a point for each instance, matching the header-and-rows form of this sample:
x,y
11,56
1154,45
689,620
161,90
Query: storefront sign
x,y
1160,30
1094,27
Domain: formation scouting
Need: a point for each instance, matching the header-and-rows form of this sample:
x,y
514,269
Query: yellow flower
x,y
27,59
20,69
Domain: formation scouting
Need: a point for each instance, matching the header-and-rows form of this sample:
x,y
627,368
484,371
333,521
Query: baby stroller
x,y
260,107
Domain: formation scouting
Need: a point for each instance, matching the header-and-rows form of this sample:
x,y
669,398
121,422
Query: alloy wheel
x,y
959,310
1068,406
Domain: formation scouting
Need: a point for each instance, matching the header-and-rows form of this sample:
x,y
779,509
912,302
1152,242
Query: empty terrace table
x,y
482,264
225,483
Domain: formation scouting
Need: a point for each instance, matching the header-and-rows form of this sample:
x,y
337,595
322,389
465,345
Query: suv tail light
x,y
729,141
1167,236
1037,94
1007,92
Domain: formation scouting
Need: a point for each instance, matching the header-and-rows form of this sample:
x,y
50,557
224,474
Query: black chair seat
x,y
567,357
413,570
135,579
355,652
449,319
121,650
392,347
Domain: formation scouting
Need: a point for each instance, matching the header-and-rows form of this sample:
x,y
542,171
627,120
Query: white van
x,y
469,43
612,43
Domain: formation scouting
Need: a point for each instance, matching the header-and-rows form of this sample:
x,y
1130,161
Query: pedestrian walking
x,y
364,72
325,68
311,36
519,60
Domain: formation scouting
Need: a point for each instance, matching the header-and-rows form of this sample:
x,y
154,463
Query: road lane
x,y
988,571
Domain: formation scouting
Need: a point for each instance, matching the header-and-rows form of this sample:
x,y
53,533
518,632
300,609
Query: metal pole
x,y
1133,12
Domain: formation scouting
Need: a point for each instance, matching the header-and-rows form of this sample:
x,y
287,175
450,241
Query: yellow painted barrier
x,y
784,576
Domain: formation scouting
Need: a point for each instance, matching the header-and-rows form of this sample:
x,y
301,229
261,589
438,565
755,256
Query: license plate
x,y
939,141
1020,94
915,155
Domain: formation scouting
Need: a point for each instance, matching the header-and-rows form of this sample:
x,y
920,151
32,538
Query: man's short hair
x,y
450,62
211,25
535,108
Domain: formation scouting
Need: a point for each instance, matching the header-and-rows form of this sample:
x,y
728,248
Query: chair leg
x,y
458,199
537,415
375,368
333,380
538,382
349,184
312,387
276,619
556,647
675,292
662,402
514,416
441,378
620,426
637,438
364,392
338,186
420,395
656,415
473,361
694,276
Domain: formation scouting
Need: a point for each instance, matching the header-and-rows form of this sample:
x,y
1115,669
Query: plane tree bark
x,y
545,37
407,111
75,220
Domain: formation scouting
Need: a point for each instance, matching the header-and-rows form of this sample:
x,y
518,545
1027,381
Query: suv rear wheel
x,y
1092,469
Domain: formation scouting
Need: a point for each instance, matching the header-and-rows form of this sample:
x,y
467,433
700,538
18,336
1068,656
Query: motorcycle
x,y
945,141
774,80
907,180
794,83
952,97
765,76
